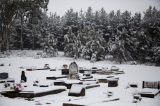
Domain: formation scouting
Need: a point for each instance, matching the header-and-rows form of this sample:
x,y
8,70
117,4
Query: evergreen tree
x,y
9,9
70,43
50,46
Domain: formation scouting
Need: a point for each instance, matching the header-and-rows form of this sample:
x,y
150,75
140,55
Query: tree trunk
x,y
1,42
8,38
33,44
21,32
4,40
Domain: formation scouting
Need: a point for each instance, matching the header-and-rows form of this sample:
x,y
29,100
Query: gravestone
x,y
114,68
77,90
87,73
73,71
112,82
151,84
3,75
65,71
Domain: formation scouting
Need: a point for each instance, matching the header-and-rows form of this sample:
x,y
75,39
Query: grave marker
x,y
73,71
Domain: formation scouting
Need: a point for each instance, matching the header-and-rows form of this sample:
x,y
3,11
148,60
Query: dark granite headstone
x,y
65,71
3,75
151,84
112,82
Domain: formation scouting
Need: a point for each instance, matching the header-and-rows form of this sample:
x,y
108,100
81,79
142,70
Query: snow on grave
x,y
99,101
7,80
95,70
87,75
69,83
59,83
77,90
91,86
90,83
104,71
65,70
66,83
87,82
82,70
73,71
106,79
150,93
71,104
33,91
56,77
107,72
114,68
132,85
33,68
4,77
136,98
45,83
102,80
150,89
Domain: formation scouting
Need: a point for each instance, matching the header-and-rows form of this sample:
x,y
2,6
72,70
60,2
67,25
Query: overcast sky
x,y
61,6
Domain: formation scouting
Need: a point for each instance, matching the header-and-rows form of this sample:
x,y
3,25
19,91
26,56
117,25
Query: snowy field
x,y
94,96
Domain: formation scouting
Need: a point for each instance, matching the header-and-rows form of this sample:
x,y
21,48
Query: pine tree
x,y
93,50
50,46
70,43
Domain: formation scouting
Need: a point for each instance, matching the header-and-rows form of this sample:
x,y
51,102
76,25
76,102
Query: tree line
x,y
85,34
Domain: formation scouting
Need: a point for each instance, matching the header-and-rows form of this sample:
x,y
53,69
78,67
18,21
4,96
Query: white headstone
x,y
73,71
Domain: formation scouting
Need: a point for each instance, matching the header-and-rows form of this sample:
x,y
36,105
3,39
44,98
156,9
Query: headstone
x,y
65,71
87,73
136,98
3,75
65,66
151,84
2,64
133,85
73,71
77,90
114,68
46,66
112,82
94,70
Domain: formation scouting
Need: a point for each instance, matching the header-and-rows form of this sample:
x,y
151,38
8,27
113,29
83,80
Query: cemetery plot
x,y
4,77
150,89
104,89
150,93
56,77
31,92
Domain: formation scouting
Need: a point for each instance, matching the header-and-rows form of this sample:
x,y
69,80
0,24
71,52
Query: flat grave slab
x,y
31,92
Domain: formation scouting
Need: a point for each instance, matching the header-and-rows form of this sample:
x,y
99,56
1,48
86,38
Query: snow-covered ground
x,y
94,96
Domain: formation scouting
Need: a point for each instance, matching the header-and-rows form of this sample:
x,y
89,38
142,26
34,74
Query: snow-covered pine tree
x,y
70,43
50,46
151,25
94,50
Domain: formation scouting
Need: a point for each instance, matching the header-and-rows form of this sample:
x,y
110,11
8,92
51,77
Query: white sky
x,y
61,6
